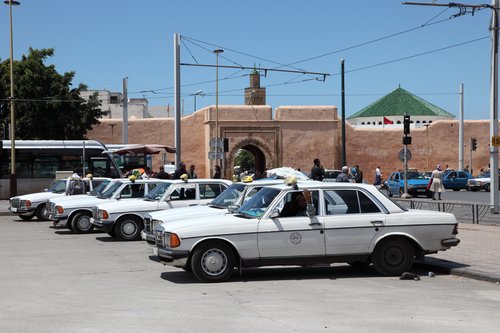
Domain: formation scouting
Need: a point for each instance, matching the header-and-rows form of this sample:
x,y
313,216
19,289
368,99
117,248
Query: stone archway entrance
x,y
263,157
260,159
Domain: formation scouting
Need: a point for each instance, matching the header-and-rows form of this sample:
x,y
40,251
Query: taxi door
x,y
292,236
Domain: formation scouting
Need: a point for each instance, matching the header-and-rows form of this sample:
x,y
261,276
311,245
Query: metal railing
x,y
463,211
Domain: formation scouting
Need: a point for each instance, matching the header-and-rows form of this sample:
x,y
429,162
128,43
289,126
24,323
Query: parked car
x,y
331,175
125,220
417,184
231,199
481,182
75,214
353,223
34,204
456,180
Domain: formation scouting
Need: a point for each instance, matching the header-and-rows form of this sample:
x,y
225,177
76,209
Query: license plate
x,y
421,190
155,251
13,209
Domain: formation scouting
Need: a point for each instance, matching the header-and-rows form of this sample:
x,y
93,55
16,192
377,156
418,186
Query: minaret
x,y
255,95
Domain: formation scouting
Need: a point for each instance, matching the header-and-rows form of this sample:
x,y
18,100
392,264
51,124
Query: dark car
x,y
456,180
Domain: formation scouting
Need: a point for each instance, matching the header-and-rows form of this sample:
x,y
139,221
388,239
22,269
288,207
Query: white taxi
x,y
124,220
348,222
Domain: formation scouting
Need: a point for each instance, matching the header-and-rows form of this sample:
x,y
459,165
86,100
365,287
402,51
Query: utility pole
x,y
177,100
125,111
344,160
461,130
464,9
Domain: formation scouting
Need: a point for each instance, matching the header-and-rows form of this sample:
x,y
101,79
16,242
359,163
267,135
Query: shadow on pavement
x,y
293,273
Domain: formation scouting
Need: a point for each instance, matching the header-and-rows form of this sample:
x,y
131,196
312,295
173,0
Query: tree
x,y
245,160
45,105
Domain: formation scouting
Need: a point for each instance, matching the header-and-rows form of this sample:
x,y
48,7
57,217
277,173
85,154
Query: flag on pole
x,y
388,121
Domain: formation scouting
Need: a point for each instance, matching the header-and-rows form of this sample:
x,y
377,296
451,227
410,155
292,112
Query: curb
x,y
451,268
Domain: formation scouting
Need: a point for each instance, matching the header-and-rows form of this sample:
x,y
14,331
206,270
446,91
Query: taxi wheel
x,y
393,256
128,228
487,187
41,212
27,217
213,262
81,223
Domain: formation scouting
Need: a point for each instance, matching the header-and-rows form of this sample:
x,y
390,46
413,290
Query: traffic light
x,y
406,123
473,143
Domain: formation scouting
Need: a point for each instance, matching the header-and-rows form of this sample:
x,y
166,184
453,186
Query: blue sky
x,y
103,41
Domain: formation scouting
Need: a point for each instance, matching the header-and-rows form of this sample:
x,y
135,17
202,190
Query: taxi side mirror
x,y
274,213
233,208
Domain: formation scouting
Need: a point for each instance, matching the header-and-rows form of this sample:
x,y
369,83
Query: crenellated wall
x,y
296,135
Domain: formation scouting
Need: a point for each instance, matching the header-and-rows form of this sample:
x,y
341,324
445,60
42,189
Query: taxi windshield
x,y
229,196
99,188
108,192
258,204
158,192
58,186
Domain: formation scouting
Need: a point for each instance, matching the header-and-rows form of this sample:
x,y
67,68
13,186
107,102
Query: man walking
x,y
317,171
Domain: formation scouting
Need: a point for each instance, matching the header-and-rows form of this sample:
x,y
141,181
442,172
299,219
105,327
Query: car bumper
x,y
171,257
106,226
21,210
449,242
475,187
148,237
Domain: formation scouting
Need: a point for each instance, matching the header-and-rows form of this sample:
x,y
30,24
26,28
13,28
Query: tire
x,y
393,256
41,212
389,194
80,224
213,262
487,187
27,217
456,189
428,194
128,228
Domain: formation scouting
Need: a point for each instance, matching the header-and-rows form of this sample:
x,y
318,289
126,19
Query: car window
x,y
209,191
366,204
184,192
259,203
462,175
158,191
290,207
346,202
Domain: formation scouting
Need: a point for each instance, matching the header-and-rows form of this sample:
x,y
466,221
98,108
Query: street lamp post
x,y
198,93
13,180
217,51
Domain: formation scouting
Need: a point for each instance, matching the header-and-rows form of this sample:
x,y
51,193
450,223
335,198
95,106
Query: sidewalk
x,y
477,256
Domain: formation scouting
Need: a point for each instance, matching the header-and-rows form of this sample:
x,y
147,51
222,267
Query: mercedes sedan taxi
x,y
306,223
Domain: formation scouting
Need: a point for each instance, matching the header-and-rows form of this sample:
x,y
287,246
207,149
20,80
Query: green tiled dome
x,y
399,102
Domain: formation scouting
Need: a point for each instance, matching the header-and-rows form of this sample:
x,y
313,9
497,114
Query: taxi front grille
x,y
16,203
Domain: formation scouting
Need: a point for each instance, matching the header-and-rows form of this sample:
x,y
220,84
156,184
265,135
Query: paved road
x,y
55,281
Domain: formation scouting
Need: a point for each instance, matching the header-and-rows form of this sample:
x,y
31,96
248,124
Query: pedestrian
x,y
181,170
217,173
466,169
378,176
317,171
343,176
162,174
147,173
358,178
191,173
437,183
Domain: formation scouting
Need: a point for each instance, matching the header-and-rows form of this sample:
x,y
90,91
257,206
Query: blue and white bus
x,y
38,160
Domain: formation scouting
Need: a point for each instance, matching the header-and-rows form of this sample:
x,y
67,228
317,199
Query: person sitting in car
x,y
300,205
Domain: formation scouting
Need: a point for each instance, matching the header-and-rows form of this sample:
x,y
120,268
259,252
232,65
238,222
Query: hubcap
x,y
84,223
394,256
214,262
129,228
